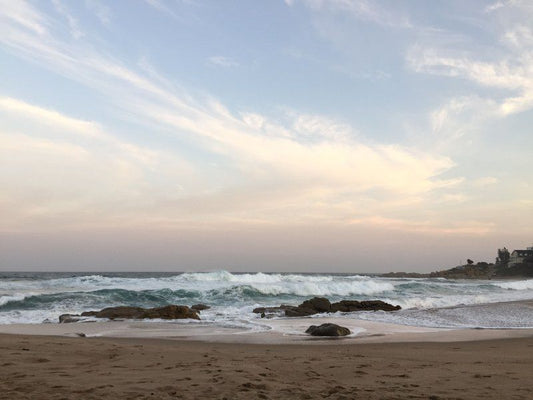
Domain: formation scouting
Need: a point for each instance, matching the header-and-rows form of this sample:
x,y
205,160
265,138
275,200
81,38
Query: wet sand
x,y
164,360
58,367
274,331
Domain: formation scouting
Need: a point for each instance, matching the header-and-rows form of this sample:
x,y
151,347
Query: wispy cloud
x,y
100,10
288,168
54,118
523,6
72,21
322,128
509,67
494,6
459,119
162,7
22,14
513,75
66,172
221,61
486,181
364,10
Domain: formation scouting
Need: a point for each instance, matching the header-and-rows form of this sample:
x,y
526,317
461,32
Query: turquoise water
x,y
38,297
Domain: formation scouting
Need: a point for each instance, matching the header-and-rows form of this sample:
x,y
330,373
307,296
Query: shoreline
x,y
279,332
291,330
166,360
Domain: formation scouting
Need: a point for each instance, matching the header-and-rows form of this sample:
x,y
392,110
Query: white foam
x,y
439,301
233,296
14,297
268,284
509,315
516,285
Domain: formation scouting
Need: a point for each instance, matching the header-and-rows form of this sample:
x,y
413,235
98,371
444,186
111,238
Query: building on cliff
x,y
520,256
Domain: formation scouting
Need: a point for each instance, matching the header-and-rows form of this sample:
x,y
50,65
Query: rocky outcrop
x,y
200,307
318,305
327,330
272,310
116,312
365,305
166,312
67,318
481,270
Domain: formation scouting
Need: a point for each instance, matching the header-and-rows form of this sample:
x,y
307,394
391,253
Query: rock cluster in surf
x,y
166,312
318,305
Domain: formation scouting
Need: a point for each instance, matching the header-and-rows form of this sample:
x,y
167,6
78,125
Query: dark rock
x,y
89,313
319,304
328,330
346,306
367,305
299,312
166,312
268,310
68,318
312,306
378,305
170,312
116,312
200,307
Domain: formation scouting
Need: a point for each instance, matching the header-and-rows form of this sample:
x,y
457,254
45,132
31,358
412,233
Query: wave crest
x,y
517,285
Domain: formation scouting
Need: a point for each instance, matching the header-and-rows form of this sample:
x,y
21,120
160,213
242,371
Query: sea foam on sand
x,y
276,331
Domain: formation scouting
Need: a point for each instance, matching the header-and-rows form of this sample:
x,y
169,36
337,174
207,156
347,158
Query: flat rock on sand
x,y
327,330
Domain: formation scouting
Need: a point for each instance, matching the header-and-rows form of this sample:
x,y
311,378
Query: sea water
x,y
42,297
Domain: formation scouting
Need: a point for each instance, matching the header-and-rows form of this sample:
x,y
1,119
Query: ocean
x,y
41,297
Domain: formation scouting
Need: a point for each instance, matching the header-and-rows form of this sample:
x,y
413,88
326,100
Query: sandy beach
x,y
425,365
273,358
291,199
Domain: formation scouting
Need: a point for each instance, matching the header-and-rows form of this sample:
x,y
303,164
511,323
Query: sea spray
x,y
32,298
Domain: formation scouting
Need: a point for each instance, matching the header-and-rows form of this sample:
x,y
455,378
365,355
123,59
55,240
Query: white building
x,y
519,256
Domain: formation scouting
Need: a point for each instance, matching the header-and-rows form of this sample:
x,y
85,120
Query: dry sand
x,y
54,367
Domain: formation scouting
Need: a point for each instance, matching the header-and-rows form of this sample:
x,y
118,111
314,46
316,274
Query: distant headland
x,y
515,264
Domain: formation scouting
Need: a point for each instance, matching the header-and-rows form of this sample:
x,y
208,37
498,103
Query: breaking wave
x,y
517,285
37,297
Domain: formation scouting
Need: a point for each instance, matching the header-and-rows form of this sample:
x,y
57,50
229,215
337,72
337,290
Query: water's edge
x,y
431,303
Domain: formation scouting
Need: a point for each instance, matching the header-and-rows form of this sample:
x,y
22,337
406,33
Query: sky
x,y
296,135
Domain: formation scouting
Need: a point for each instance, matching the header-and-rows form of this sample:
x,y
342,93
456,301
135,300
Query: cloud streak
x,y
221,61
509,66
297,167
62,171
363,10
